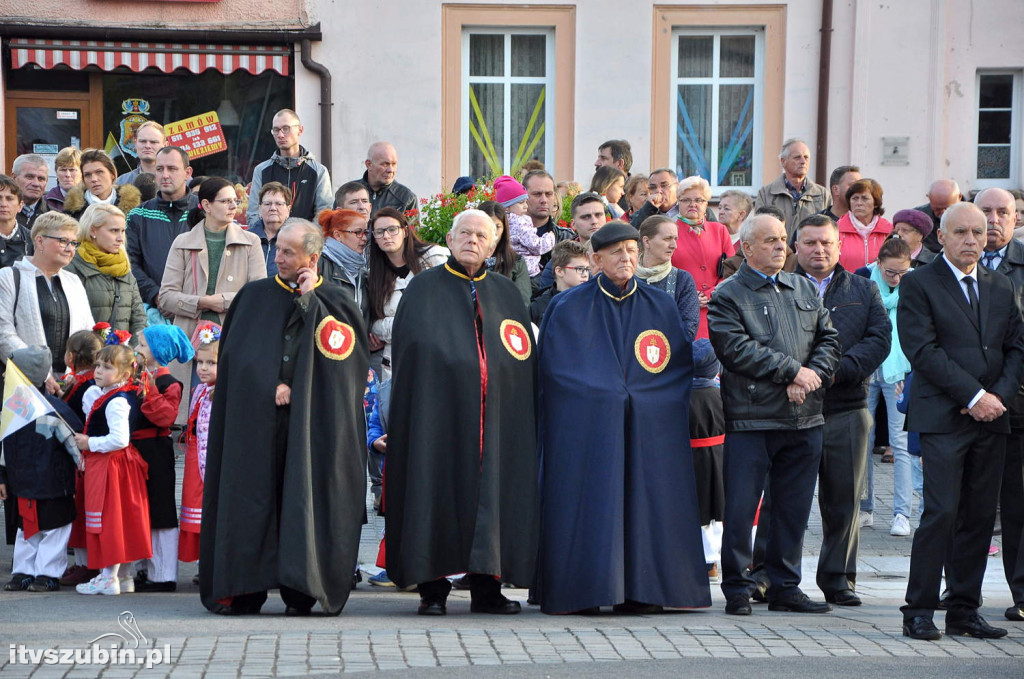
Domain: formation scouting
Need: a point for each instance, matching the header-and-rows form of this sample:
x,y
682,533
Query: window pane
x,y
486,54
528,55
487,133
527,135
994,127
693,128
696,54
996,91
993,162
737,56
735,135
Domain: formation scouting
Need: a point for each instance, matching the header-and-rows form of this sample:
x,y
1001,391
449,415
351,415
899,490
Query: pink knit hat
x,y
508,191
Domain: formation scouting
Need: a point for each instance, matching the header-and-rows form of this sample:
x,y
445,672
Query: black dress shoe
x,y
973,626
593,610
631,607
501,605
738,604
297,612
1015,613
150,586
798,602
432,608
920,627
19,582
844,597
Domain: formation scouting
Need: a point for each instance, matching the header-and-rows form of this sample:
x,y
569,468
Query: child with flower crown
x,y
206,341
160,395
116,505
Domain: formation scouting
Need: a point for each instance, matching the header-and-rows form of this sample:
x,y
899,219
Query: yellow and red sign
x,y
516,339
335,339
199,135
652,351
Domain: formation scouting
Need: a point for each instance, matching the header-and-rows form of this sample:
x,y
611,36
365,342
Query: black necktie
x,y
973,296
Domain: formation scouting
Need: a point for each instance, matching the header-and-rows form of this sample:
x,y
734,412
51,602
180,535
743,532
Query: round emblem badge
x,y
652,351
335,339
516,339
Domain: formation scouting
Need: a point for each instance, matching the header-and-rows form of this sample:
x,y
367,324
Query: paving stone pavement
x,y
379,631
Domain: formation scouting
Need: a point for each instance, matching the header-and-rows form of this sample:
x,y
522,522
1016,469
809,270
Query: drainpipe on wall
x,y
326,143
824,67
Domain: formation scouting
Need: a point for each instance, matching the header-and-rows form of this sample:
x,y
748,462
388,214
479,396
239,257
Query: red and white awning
x,y
138,56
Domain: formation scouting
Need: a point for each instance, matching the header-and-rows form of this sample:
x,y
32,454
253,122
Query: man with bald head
x,y
379,179
294,167
960,328
941,195
1006,255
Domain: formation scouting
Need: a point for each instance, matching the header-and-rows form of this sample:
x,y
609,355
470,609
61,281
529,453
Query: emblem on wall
x,y
134,111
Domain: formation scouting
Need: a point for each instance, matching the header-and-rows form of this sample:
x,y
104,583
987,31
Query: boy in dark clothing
x,y
707,441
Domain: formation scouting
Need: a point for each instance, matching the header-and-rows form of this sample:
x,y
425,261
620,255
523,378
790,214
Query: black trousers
x,y
843,471
482,588
794,457
962,476
1011,510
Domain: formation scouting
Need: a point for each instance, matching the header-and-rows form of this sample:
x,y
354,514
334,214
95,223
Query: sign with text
x,y
199,135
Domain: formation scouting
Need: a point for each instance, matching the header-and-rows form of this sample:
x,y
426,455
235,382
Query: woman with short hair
x,y
68,165
98,176
862,230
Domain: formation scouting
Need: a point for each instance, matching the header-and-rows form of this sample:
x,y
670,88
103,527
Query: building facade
x,y
910,91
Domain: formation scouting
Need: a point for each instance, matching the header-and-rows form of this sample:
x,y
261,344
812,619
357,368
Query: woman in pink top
x,y
702,246
862,230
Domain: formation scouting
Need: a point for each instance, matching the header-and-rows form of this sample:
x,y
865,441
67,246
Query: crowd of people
x,y
506,393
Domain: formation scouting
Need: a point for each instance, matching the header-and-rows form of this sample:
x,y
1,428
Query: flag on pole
x,y
114,150
24,405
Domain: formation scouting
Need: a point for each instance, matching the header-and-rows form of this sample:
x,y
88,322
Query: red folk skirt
x,y
116,508
191,505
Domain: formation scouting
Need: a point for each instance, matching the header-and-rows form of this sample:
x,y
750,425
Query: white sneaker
x,y
900,526
867,519
127,585
100,585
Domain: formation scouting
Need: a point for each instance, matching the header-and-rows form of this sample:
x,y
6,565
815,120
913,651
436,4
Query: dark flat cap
x,y
612,233
916,219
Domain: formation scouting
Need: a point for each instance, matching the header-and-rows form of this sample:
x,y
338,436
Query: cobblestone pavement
x,y
379,630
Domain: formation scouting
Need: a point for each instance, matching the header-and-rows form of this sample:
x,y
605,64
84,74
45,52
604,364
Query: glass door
x,y
45,122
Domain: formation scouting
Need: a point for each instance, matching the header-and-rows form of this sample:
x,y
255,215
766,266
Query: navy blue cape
x,y
619,515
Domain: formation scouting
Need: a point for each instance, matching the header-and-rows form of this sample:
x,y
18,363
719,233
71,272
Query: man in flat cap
x,y
619,519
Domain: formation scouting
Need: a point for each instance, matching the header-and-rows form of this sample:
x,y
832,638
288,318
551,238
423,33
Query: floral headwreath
x,y
206,333
111,336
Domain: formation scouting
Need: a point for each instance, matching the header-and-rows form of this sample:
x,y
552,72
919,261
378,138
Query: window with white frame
x,y
507,99
718,77
999,122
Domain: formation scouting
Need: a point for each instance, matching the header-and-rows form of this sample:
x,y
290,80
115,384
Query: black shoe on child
x,y
19,582
44,583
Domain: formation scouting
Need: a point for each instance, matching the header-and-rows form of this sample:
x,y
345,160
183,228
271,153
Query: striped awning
x,y
138,56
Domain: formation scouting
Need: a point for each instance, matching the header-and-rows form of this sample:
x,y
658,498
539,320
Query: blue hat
x,y
705,363
168,343
463,185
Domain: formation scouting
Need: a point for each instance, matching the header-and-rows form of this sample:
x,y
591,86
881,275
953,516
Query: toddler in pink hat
x,y
521,231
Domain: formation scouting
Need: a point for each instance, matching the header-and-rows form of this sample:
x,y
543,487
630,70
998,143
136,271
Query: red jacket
x,y
856,251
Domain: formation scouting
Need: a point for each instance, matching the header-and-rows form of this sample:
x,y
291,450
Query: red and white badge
x,y
516,339
335,339
652,351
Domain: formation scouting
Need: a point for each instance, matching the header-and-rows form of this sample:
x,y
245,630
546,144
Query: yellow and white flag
x,y
23,404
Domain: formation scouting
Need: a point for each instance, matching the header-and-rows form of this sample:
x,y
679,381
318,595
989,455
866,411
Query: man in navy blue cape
x,y
619,519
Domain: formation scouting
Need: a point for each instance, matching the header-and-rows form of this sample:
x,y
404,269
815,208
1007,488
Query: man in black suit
x,y
960,328
1006,255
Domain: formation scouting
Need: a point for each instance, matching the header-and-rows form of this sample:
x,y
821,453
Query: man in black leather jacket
x,y
778,348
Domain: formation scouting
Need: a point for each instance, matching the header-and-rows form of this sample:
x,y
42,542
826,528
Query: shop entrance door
x,y
46,122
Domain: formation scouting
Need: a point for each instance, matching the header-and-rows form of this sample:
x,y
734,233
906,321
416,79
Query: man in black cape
x,y
619,519
460,487
286,460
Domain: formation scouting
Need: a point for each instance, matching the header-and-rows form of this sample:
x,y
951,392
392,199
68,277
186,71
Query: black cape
x,y
454,505
310,542
619,513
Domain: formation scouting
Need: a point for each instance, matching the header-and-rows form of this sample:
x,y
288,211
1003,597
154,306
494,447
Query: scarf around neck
x,y
864,229
895,366
653,274
93,200
348,259
115,264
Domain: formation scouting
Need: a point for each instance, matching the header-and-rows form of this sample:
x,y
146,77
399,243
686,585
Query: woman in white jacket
x,y
41,302
396,255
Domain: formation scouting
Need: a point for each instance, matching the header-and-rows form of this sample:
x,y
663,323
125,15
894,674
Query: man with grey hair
x,y
286,457
942,194
793,192
30,173
661,197
461,490
379,179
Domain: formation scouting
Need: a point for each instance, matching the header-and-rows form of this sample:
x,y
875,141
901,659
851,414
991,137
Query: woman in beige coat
x,y
207,265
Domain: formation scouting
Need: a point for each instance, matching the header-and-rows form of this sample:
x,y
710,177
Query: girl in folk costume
x,y
206,340
80,357
160,396
116,507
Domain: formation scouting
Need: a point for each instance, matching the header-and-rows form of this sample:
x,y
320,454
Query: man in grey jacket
x,y
793,192
777,348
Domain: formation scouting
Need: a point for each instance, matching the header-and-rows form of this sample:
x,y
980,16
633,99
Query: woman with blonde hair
x,y
102,263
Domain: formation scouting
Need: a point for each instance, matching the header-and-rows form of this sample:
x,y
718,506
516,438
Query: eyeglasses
x,y
581,271
693,201
389,230
358,233
284,129
227,201
277,204
64,242
893,273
